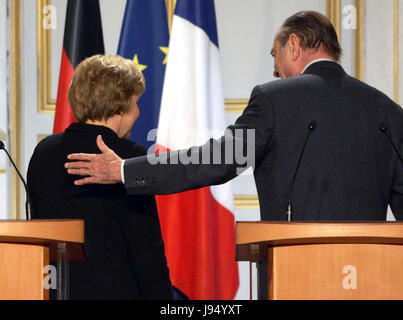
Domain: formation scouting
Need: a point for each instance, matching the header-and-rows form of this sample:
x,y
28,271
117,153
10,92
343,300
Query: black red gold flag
x,y
83,38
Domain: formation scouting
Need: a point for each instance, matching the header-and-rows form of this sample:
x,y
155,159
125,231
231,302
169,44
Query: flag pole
x,y
170,4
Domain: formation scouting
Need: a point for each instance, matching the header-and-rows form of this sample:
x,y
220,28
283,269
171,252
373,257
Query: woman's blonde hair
x,y
103,86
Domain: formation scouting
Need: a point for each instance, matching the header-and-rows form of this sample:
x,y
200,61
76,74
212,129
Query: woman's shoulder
x,y
132,149
49,143
46,152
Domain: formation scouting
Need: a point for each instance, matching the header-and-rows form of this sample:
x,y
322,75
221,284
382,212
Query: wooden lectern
x,y
27,247
326,261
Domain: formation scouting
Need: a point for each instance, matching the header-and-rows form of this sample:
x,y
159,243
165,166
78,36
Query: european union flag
x,y
145,38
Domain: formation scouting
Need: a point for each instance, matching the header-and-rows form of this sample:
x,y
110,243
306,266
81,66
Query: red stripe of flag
x,y
201,274
64,115
200,258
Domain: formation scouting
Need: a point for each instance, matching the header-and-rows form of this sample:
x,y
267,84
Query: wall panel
x,y
4,167
379,45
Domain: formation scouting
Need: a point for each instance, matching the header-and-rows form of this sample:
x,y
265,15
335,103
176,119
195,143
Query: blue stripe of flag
x,y
201,14
144,31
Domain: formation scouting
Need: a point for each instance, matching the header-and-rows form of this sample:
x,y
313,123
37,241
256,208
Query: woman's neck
x,y
112,123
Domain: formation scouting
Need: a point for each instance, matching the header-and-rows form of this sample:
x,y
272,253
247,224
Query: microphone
x,y
311,128
27,202
384,129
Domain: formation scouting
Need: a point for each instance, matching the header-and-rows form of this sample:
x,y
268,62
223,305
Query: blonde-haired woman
x,y
123,243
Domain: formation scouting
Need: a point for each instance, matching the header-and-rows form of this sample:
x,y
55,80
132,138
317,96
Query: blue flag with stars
x,y
145,38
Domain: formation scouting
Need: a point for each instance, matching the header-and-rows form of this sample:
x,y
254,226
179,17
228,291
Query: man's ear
x,y
294,46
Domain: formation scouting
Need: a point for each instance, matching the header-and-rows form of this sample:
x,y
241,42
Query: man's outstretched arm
x,y
214,163
164,173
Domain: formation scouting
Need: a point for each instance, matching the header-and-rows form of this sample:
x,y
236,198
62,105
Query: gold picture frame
x,y
396,50
333,12
16,30
46,103
246,202
235,105
359,41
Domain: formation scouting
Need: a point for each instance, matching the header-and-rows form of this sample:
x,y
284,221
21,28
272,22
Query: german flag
x,y
83,38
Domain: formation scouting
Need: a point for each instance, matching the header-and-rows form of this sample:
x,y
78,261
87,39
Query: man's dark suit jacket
x,y
349,170
123,244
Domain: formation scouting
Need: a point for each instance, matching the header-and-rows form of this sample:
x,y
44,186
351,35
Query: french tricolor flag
x,y
198,226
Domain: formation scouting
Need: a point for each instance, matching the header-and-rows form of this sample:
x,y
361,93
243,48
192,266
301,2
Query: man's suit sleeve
x,y
214,162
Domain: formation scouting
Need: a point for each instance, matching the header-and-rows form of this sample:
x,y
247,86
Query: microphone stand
x,y
27,202
312,127
384,130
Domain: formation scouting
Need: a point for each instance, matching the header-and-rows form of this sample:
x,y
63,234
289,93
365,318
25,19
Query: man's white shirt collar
x,y
314,61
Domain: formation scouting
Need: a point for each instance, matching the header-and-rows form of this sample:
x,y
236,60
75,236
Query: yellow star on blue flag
x,y
136,61
165,50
